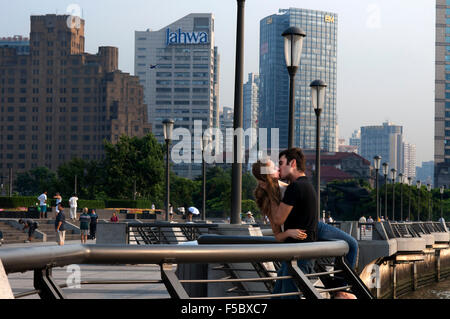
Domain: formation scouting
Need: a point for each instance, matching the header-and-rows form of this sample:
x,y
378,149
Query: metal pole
x,y
385,195
401,201
134,189
204,187
378,195
10,181
442,214
429,206
393,199
292,71
409,205
76,184
236,191
167,180
318,112
418,205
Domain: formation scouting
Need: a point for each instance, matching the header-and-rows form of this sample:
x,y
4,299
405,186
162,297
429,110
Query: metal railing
x,y
42,260
165,233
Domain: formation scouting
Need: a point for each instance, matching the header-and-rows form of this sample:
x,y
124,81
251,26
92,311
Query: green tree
x,y
133,160
36,181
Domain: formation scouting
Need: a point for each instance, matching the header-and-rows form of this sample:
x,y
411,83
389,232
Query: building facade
x,y
442,95
355,140
319,61
60,103
20,43
410,160
386,141
178,66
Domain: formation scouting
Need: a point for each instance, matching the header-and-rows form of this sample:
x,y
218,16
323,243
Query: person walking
x,y
31,225
85,220
93,225
43,204
73,202
59,226
363,221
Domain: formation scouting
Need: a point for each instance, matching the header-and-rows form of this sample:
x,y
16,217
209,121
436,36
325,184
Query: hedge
x,y
119,203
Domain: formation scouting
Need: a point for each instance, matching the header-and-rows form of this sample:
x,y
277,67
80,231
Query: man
x,y
297,210
85,220
31,225
59,226
58,200
43,204
73,207
250,219
93,224
363,220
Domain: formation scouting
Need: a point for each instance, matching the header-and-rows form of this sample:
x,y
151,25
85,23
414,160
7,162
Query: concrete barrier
x,y
112,233
5,288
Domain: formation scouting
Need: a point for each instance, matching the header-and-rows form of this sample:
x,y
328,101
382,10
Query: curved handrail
x,y
26,259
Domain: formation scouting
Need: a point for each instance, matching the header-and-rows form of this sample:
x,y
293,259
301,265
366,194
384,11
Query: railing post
x,y
47,287
172,283
302,281
358,287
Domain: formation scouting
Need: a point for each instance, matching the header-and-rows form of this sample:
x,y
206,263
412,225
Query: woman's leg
x,y
328,232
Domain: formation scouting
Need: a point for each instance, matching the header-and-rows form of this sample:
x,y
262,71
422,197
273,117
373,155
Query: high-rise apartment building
x,y
386,141
251,101
20,43
59,102
355,140
442,95
410,160
178,66
319,61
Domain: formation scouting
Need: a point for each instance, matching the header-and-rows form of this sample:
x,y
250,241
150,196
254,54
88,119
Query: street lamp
x,y
419,185
318,89
441,190
385,173
429,201
168,132
205,142
293,46
409,204
400,179
376,164
393,175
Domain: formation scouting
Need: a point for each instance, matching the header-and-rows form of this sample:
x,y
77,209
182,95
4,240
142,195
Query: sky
x,y
385,50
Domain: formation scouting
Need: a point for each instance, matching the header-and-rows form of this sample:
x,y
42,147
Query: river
x,y
440,290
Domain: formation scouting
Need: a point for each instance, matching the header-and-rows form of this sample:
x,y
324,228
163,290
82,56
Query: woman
x,y
269,193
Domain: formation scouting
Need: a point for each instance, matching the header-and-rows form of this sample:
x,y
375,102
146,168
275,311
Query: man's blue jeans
x,y
327,232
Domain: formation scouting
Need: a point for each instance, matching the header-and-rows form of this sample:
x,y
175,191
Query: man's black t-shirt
x,y
302,196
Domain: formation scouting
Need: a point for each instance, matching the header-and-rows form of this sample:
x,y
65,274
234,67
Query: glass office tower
x,y
319,61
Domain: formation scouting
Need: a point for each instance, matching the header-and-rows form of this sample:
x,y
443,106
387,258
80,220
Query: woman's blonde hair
x,y
265,196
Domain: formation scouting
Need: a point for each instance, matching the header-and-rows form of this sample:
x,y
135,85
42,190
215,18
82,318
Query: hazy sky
x,y
385,49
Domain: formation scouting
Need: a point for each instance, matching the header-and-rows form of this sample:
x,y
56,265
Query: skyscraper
x,y
319,61
59,102
442,95
251,104
410,160
178,66
386,141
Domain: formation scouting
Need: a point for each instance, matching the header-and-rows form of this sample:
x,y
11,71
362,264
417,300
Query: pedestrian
x,y
31,225
330,219
58,200
153,207
249,219
363,221
93,225
59,226
43,204
85,220
114,218
191,212
370,221
73,202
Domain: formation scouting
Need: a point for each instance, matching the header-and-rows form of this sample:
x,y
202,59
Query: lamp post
x,y
376,164
205,142
318,89
293,46
441,190
409,204
385,173
393,175
400,179
429,201
236,170
419,185
168,131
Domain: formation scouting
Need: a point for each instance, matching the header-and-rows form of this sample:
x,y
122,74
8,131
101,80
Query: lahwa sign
x,y
179,37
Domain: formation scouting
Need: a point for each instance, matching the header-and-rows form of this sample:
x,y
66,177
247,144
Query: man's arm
x,y
281,213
